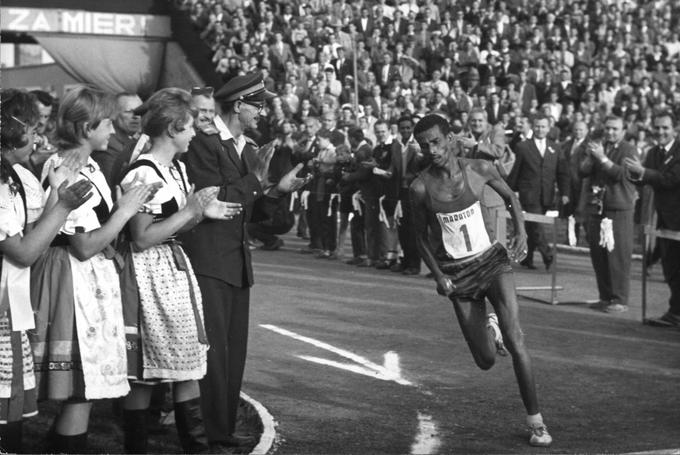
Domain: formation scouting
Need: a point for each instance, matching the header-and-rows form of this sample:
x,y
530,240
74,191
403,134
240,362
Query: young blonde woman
x,y
28,223
168,317
79,340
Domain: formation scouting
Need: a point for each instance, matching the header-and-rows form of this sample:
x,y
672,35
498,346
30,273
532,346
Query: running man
x,y
467,267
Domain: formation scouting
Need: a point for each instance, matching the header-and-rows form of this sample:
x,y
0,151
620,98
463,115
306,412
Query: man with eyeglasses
x,y
219,250
127,125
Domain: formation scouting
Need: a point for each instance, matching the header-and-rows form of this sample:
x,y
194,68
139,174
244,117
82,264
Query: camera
x,y
597,198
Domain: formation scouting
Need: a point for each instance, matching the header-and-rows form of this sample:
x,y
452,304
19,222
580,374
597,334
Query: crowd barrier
x,y
501,234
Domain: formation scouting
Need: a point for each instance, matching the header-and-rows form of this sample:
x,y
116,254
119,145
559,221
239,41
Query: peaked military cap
x,y
249,87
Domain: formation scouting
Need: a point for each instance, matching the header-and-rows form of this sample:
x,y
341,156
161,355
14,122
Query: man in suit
x,y
539,164
364,24
219,251
609,214
127,125
494,109
573,150
486,142
388,71
279,54
526,91
406,162
661,171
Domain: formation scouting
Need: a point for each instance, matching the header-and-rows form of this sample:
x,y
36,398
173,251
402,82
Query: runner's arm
x,y
417,195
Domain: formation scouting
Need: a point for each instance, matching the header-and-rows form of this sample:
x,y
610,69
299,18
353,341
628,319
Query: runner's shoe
x,y
492,322
540,436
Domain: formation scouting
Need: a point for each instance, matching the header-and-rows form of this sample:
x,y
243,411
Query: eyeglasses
x,y
205,91
258,106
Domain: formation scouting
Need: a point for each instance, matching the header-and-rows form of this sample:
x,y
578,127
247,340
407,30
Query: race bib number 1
x,y
464,232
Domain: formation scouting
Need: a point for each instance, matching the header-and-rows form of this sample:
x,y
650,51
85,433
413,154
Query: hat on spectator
x,y
248,87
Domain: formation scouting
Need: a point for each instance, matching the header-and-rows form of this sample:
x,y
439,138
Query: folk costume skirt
x,y
17,380
79,340
172,342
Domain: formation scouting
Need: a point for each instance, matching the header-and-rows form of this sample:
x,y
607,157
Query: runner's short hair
x,y
429,122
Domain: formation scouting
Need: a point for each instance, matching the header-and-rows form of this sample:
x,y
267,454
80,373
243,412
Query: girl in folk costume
x,y
166,335
79,340
25,233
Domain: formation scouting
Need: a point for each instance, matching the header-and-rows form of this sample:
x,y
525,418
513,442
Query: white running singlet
x,y
464,232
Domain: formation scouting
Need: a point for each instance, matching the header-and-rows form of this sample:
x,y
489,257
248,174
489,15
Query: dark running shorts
x,y
472,277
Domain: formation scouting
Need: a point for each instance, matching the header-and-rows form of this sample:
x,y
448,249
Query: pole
x,y
354,69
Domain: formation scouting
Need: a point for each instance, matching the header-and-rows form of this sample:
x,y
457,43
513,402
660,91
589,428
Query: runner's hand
x,y
445,286
518,247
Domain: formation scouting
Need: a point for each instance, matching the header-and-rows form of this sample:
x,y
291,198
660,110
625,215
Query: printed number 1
x,y
466,236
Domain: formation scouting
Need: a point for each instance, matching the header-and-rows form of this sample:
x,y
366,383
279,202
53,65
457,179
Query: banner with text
x,y
38,21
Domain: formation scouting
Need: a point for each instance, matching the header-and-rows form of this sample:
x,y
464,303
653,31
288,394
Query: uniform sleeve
x,y
10,224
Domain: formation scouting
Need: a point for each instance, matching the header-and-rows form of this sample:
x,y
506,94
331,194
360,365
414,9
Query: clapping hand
x,y
291,182
73,196
67,171
133,196
263,156
633,165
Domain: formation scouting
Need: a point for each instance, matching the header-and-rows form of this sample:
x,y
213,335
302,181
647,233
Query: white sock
x,y
535,420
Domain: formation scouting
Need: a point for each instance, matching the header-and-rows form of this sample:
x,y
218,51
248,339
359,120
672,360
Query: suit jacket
x,y
620,192
663,174
495,117
116,158
534,177
219,249
528,94
414,159
392,74
368,30
362,176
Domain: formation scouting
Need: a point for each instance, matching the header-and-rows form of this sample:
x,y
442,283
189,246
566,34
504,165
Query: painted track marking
x,y
426,441
268,436
385,372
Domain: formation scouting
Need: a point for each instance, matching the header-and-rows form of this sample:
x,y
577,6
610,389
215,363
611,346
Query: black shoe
x,y
366,263
354,261
411,271
135,429
528,264
386,264
278,243
398,267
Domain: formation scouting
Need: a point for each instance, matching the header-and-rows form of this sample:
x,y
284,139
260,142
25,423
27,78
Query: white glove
x,y
607,234
571,230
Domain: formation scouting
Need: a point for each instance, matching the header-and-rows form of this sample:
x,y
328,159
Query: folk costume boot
x,y
189,422
10,437
135,430
76,443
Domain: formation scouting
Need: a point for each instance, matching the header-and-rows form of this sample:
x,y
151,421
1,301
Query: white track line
x,y
426,441
268,436
384,372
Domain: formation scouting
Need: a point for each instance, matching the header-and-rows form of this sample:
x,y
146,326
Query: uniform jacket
x,y
115,159
663,174
620,192
534,177
219,249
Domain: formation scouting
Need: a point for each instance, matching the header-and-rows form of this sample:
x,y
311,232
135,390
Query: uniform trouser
x,y
670,261
357,232
536,236
372,227
314,219
225,309
329,223
407,233
268,233
389,237
612,268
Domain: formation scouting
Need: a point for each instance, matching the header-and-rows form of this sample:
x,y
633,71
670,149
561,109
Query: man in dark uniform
x,y
662,171
467,266
219,250
609,215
